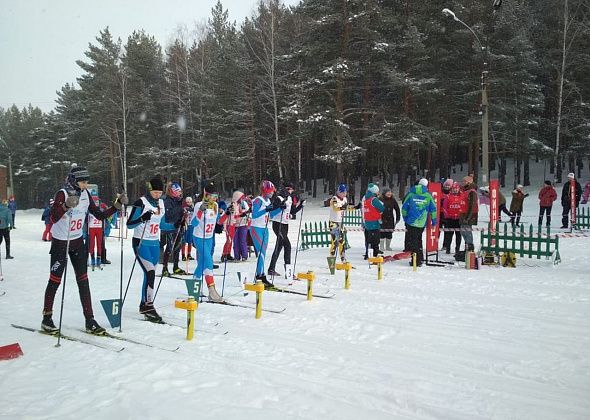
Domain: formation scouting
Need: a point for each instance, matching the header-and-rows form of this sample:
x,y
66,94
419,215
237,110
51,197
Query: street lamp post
x,y
484,102
10,191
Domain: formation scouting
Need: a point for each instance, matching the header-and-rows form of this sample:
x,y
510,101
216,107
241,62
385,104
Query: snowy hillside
x,y
439,343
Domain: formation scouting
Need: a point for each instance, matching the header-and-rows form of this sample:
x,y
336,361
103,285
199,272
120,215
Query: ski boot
x,y
47,324
273,273
9,257
92,327
98,263
165,272
150,314
267,284
183,258
92,263
180,272
213,295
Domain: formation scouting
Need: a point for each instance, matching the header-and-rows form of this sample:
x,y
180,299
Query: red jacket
x,y
453,205
547,196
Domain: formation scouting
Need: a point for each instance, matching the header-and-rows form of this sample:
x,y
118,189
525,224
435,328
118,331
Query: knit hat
x,y
342,188
547,182
79,173
423,182
223,205
236,196
188,200
289,185
267,187
385,190
448,184
519,187
175,190
155,184
210,188
571,175
467,180
373,188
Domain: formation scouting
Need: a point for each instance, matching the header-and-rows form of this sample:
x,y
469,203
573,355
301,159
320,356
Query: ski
x,y
2,293
197,329
327,295
132,341
244,305
69,338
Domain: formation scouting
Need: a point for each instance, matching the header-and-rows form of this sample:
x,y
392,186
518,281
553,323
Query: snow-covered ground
x,y
439,343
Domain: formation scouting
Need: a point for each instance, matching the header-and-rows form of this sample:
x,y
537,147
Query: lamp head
x,y
450,13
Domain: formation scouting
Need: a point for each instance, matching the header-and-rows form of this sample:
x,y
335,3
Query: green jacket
x,y
5,217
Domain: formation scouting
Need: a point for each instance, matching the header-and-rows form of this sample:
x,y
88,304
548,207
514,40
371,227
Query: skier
x,y
501,202
566,199
469,213
372,209
230,231
261,206
451,210
145,218
284,210
187,238
46,217
388,218
70,208
547,195
240,209
516,204
5,226
417,206
205,218
95,236
338,205
172,226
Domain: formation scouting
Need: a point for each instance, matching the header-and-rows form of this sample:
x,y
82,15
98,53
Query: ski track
x,y
439,343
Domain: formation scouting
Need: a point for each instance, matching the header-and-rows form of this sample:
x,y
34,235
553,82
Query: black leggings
x,y
282,231
78,257
5,235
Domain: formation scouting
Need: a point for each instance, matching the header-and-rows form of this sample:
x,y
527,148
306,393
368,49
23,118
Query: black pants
x,y
414,242
373,238
503,209
78,257
565,215
5,235
545,210
448,237
282,231
515,217
173,241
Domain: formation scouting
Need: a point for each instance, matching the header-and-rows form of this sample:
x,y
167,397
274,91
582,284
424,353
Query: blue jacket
x,y
173,216
12,206
418,204
5,217
46,216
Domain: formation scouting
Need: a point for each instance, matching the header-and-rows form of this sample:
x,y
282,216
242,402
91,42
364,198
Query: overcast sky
x,y
40,40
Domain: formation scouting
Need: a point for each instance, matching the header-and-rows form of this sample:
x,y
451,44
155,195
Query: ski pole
x,y
297,246
63,290
123,214
1,272
136,253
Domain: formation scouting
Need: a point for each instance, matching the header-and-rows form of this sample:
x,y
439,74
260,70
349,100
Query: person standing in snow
x,y
12,207
95,237
187,238
416,208
204,221
372,210
261,207
46,217
451,211
516,204
5,227
172,226
547,195
70,207
284,209
144,219
389,217
469,213
566,199
338,204
240,209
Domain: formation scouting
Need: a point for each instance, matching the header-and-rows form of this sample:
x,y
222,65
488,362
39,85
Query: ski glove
x,y
228,210
72,201
204,206
270,208
122,200
146,216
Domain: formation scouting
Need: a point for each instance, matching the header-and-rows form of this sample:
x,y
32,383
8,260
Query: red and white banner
x,y
573,201
494,205
432,232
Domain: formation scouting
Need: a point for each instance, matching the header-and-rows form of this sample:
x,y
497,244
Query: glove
x,y
270,208
204,206
283,205
72,201
146,216
228,211
302,204
122,200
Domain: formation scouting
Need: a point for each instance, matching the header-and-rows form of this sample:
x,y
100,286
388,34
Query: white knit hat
x,y
373,188
423,182
571,175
